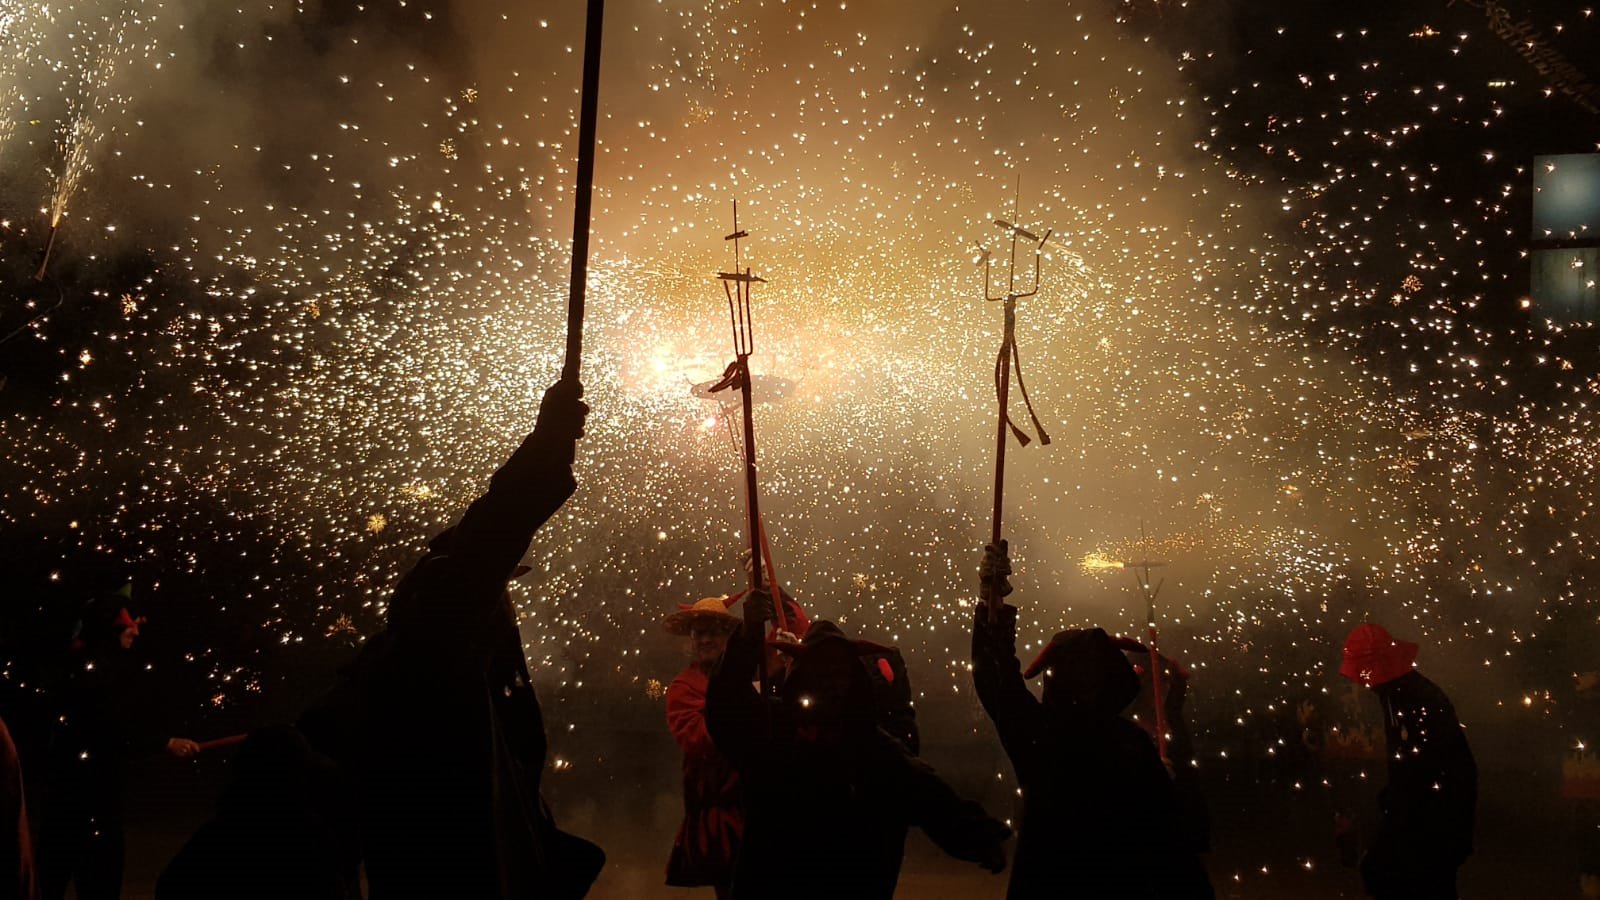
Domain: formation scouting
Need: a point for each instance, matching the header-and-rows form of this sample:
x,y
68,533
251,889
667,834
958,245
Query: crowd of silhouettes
x,y
417,774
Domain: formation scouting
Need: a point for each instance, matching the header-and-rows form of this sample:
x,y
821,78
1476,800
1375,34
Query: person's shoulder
x,y
1422,688
1131,734
692,679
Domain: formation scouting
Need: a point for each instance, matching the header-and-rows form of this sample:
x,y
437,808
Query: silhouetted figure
x,y
436,726
16,844
828,794
271,837
1100,817
1425,831
101,726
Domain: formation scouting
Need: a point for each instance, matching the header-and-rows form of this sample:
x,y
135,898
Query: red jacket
x,y
713,810
713,806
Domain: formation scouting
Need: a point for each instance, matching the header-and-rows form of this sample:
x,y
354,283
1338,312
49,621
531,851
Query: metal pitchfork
x,y
1005,362
737,286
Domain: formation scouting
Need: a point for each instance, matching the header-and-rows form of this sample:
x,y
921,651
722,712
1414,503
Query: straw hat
x,y
705,612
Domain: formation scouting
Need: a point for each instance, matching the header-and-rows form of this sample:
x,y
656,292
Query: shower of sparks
x,y
1278,321
102,47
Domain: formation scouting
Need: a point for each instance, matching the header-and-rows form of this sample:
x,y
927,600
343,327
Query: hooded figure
x,y
1425,832
1100,817
890,685
272,837
436,727
822,782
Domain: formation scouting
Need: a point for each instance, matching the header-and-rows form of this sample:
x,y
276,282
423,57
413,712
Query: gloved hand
x,y
995,571
561,416
758,609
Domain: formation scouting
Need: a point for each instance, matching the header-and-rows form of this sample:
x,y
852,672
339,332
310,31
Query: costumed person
x,y
815,766
1425,828
272,836
892,707
101,726
435,725
16,844
707,844
1100,817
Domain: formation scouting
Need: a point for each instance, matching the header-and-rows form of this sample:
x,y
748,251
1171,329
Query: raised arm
x,y
735,710
997,676
456,593
525,492
996,672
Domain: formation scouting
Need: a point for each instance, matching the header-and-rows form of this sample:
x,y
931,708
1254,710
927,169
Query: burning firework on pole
x,y
75,143
81,133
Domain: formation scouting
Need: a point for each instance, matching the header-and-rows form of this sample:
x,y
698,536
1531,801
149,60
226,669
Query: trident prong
x,y
736,287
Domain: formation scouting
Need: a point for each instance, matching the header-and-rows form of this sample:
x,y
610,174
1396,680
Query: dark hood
x,y
828,688
1084,670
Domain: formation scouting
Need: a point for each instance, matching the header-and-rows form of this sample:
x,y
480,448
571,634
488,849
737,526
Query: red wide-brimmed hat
x,y
1373,657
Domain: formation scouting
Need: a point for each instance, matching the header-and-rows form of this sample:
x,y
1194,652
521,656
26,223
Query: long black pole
x,y
991,597
589,104
753,506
